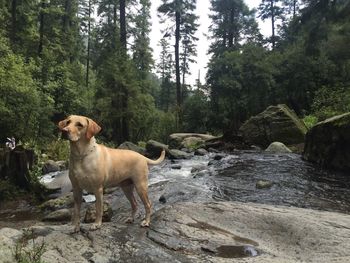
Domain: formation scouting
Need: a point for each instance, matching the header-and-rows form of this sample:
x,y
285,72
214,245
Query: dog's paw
x,y
129,220
144,223
95,226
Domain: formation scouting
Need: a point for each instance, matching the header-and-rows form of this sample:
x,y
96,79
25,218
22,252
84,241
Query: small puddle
x,y
236,251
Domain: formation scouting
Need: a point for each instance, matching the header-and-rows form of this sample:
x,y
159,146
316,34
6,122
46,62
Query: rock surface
x,y
178,140
204,232
276,123
133,147
50,166
328,143
278,147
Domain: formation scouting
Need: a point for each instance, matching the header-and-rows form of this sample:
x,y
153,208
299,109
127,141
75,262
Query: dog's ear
x,y
92,129
62,124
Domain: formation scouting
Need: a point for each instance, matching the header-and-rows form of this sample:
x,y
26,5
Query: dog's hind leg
x,y
142,191
129,193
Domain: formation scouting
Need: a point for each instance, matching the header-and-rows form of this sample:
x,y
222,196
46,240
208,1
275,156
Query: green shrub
x,y
310,120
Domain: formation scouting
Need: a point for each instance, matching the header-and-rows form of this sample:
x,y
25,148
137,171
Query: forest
x,y
93,58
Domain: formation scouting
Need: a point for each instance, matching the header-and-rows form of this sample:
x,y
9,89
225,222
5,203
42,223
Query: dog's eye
x,y
68,122
79,125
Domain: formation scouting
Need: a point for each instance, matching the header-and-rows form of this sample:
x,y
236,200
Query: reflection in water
x,y
296,182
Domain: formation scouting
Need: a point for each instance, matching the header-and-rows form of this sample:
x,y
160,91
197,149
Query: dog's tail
x,y
158,161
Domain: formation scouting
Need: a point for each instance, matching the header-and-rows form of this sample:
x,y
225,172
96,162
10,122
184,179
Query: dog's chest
x,y
85,174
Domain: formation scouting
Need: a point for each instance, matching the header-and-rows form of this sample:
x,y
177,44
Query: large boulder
x,y
328,143
276,123
155,148
188,140
133,147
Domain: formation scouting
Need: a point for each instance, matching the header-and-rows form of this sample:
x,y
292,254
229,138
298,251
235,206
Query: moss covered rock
x,y
328,143
276,123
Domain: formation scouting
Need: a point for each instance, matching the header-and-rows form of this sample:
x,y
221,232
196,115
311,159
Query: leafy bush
x,y
331,101
310,121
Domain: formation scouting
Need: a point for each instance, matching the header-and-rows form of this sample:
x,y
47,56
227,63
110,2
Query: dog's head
x,y
79,127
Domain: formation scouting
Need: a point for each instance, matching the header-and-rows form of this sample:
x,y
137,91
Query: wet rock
x,y
177,154
178,140
60,215
276,123
65,201
201,173
176,166
133,147
90,214
218,157
155,148
328,143
50,166
201,152
278,147
263,184
213,150
199,168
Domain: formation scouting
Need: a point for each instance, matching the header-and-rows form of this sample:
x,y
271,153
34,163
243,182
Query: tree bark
x,y
88,47
272,23
125,92
177,68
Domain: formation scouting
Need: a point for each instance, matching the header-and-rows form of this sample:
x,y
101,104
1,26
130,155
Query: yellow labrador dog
x,y
93,166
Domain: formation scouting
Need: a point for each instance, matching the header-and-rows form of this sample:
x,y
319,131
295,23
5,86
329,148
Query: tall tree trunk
x,y
125,92
272,23
122,21
294,7
177,69
88,47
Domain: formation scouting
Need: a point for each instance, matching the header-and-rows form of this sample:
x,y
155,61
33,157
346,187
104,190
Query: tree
x,y
180,11
142,52
232,24
271,9
167,97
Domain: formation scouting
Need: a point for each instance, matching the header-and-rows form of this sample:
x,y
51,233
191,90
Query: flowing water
x,y
295,182
234,177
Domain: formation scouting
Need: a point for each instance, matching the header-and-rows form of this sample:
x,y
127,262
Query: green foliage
x,y
8,190
28,250
58,150
310,121
19,97
330,101
196,112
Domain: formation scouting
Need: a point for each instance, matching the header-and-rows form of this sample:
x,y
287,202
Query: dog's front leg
x,y
99,209
77,194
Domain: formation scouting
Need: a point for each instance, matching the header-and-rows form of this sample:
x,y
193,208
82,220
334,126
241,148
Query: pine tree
x,y
271,9
165,69
232,24
182,12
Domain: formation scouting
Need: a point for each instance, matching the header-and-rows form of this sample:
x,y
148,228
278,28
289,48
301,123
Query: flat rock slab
x,y
203,232
226,230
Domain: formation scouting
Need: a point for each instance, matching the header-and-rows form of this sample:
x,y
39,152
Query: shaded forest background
x,y
88,57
